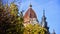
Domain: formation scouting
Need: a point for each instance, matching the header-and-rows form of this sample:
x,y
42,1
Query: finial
x,y
30,5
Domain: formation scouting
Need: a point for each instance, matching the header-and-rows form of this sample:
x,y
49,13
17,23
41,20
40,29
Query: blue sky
x,y
52,10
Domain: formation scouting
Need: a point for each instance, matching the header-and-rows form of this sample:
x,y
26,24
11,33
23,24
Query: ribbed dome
x,y
30,13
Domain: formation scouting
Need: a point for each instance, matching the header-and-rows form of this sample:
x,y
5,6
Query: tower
x,y
30,16
44,22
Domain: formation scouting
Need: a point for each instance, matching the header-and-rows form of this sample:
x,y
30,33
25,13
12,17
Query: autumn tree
x,y
16,26
34,29
10,21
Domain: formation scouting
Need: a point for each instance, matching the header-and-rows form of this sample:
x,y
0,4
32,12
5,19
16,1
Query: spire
x,y
44,22
43,12
44,18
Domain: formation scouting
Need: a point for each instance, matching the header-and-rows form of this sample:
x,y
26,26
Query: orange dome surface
x,y
30,13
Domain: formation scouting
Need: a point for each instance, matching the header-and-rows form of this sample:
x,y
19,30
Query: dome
x,y
30,13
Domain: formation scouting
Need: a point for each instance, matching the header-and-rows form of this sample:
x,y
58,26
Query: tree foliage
x,y
10,22
13,9
34,29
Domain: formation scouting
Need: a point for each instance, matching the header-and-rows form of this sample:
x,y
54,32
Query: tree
x,y
3,19
16,26
34,29
10,21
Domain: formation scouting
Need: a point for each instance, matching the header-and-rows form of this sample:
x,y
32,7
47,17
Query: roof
x,y
30,13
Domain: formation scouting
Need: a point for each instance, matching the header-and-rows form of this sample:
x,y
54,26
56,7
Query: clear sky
x,y
52,11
